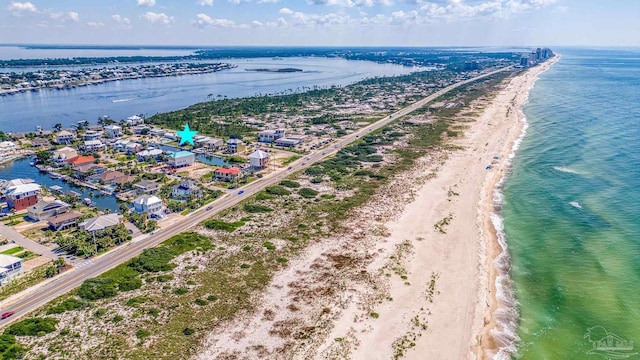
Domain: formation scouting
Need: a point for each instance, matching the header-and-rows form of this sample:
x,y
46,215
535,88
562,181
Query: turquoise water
x,y
572,209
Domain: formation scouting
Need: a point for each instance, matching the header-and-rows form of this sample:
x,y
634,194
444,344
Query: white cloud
x,y
286,11
160,18
306,20
17,8
74,16
62,16
205,2
146,3
256,23
204,20
95,25
351,3
121,19
268,1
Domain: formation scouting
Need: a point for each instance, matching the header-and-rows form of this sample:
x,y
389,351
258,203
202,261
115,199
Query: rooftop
x,y
59,219
230,171
180,154
6,260
101,222
81,160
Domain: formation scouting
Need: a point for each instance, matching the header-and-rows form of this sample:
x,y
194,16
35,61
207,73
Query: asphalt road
x,y
75,277
28,244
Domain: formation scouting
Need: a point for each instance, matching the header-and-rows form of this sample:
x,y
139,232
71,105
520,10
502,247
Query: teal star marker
x,y
186,135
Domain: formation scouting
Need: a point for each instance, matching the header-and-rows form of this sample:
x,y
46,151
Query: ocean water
x,y
571,210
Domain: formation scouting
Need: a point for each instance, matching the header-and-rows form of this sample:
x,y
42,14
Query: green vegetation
x,y
24,282
13,250
256,208
307,193
126,277
83,243
9,348
32,327
291,159
221,225
269,245
290,184
69,304
277,190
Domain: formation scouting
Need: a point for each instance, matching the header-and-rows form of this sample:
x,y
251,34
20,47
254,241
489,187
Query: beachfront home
x,y
60,156
150,204
64,221
93,145
146,155
236,146
112,131
259,159
141,129
227,174
147,186
10,266
181,159
46,209
20,196
64,137
186,189
40,142
95,224
269,136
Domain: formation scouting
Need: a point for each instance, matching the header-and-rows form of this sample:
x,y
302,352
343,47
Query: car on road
x,y
209,208
308,158
289,168
240,192
6,314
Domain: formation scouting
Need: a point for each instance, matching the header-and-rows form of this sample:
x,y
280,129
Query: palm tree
x,y
57,127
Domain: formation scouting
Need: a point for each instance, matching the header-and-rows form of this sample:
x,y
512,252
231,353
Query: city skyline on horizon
x,y
367,23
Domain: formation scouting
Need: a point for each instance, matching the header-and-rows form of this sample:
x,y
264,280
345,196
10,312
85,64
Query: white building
x,y
90,135
150,204
64,137
112,131
134,120
269,136
93,145
9,266
181,159
259,159
98,223
63,154
7,148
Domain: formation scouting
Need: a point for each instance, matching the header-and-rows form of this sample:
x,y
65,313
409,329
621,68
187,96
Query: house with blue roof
x,y
181,159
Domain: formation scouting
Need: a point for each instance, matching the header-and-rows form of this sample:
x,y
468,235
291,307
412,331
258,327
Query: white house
x,y
150,204
259,159
90,135
93,145
9,266
133,148
181,158
46,209
64,137
134,120
269,136
63,154
235,146
98,223
112,131
7,148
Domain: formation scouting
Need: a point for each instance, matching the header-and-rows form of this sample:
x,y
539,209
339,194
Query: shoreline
x,y
497,338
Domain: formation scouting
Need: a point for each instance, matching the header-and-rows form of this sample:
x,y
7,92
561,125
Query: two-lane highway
x,y
74,278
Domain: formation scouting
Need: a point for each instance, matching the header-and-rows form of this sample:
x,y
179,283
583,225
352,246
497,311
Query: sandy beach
x,y
413,275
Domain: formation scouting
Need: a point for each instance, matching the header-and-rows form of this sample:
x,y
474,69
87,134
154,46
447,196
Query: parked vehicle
x,y
6,314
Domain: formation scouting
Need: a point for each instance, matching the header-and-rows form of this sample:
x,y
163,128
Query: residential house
x,y
7,149
107,177
64,221
259,159
150,204
93,145
141,129
269,136
64,137
62,155
146,155
90,135
81,160
86,170
112,131
147,186
181,159
236,146
186,189
134,120
227,174
156,132
21,196
40,142
214,144
46,209
10,266
98,223
133,148
120,145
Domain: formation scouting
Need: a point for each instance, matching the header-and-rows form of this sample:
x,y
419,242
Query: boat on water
x,y
32,163
54,175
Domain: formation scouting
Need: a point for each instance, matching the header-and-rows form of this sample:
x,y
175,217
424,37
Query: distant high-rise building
x,y
539,54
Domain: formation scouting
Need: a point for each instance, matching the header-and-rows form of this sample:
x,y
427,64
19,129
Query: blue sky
x,y
323,22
